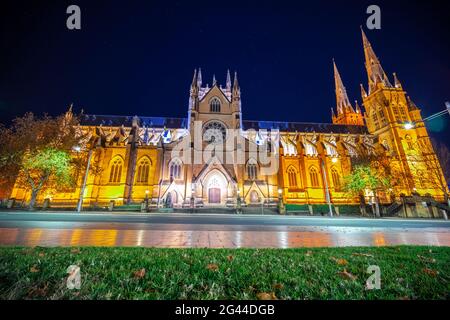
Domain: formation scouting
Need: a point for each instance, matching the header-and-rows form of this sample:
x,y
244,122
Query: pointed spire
x,y
357,107
228,80
342,101
375,72
199,77
214,80
235,83
363,91
411,105
397,83
194,79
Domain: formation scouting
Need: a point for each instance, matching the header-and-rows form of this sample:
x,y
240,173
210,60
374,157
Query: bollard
x,y
111,205
46,204
336,208
10,203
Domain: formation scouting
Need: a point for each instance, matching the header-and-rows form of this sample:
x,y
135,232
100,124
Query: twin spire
x,y
375,72
197,80
342,102
376,78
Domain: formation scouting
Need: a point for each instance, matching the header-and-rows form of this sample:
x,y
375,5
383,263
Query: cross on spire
x,y
342,101
375,72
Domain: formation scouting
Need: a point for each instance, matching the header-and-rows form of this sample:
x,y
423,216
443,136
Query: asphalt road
x,y
217,231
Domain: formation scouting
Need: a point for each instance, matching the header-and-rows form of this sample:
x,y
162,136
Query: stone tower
x,y
396,121
346,114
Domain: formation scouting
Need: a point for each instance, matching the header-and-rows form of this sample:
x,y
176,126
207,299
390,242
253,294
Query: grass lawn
x,y
407,272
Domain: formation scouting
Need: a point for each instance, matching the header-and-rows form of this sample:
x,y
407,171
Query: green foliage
x,y
364,177
296,207
408,272
349,209
48,164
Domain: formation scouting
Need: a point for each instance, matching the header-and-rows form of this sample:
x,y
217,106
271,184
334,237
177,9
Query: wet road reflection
x,y
173,237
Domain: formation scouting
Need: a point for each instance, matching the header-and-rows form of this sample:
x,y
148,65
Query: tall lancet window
x,y
252,170
292,177
214,105
116,170
143,171
175,169
314,177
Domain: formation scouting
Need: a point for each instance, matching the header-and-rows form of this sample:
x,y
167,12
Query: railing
x,y
393,208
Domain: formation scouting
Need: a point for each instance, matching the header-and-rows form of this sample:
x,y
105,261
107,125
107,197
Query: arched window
x,y
336,179
292,177
386,145
420,178
214,105
175,169
409,142
314,177
116,170
252,170
254,197
143,169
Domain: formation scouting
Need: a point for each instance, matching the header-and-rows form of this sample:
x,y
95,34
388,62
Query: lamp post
x,y
238,202
281,208
411,125
146,200
83,187
327,191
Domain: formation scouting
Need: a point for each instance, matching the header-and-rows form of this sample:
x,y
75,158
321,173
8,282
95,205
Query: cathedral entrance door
x,y
214,195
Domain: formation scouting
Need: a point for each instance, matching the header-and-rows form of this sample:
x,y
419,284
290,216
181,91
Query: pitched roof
x,y
174,123
117,121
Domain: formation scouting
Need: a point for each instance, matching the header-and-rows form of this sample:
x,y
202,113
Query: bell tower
x,y
396,121
346,114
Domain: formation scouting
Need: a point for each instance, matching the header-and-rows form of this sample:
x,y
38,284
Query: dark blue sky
x,y
137,57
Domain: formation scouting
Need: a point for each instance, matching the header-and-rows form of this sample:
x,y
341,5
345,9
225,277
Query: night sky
x,y
138,57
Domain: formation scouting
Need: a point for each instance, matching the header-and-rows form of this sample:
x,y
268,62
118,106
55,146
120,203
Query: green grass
x,y
407,272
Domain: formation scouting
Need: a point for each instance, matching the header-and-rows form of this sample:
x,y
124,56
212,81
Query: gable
x,y
215,92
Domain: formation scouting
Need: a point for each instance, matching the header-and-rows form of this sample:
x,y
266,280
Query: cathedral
x,y
213,156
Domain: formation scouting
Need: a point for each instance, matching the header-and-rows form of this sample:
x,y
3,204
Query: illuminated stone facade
x,y
134,160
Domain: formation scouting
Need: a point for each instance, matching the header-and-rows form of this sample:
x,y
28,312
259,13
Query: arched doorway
x,y
254,197
214,195
215,187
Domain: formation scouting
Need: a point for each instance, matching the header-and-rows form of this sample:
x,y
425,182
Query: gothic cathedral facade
x,y
213,156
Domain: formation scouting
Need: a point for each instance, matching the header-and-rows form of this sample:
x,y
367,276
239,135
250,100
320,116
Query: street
x,y
214,231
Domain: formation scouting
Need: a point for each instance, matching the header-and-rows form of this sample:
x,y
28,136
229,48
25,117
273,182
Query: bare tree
x,y
430,165
36,152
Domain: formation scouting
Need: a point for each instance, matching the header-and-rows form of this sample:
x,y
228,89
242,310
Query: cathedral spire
x,y
194,79
411,105
357,107
235,83
363,91
228,80
397,83
342,101
199,78
214,80
375,72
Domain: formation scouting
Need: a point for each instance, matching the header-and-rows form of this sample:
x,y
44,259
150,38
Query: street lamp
x,y
281,208
238,202
409,125
83,187
146,199
327,190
